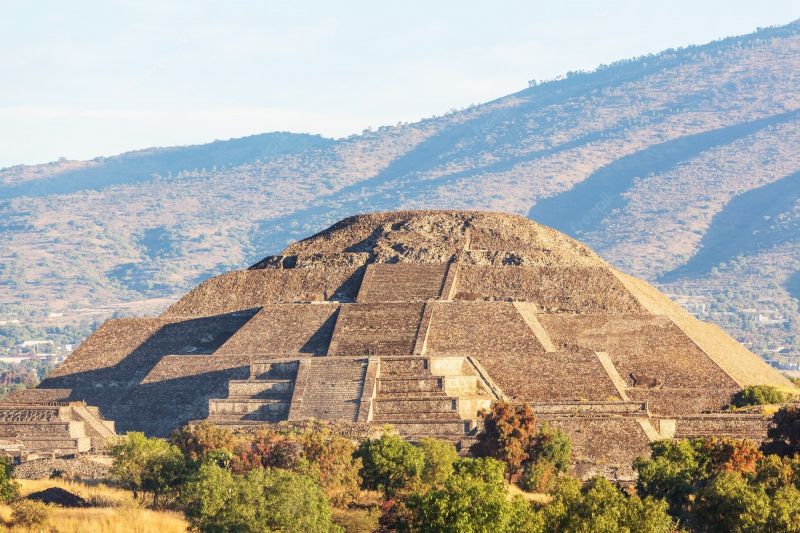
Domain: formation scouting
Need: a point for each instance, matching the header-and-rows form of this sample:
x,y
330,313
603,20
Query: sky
x,y
81,79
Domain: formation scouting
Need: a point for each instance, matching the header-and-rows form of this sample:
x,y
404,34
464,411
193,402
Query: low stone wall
x,y
79,468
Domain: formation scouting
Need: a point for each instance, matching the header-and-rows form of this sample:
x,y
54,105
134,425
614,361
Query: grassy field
x,y
113,510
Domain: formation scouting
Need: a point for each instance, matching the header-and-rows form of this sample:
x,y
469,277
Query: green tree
x,y
473,499
672,472
785,510
147,464
601,507
389,463
729,504
260,501
552,445
9,489
758,395
439,457
784,430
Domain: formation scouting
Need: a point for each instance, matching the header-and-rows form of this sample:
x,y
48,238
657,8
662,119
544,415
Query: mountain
x,y
679,167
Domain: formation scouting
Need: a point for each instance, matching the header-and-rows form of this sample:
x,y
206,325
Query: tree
x,y
147,464
473,499
439,457
785,510
552,445
758,395
600,507
332,457
784,430
270,449
389,463
729,504
672,472
218,500
198,440
727,454
9,489
509,432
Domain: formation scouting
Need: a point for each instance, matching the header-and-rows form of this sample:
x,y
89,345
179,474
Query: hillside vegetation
x,y
681,168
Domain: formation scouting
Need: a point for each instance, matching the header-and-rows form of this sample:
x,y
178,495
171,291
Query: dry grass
x,y
537,497
113,511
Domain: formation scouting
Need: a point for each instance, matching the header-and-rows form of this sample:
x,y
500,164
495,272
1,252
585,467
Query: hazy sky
x,y
87,78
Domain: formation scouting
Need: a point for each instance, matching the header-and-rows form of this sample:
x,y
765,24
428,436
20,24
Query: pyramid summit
x,y
418,319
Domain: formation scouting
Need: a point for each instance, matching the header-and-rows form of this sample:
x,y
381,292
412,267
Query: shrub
x,y
758,395
784,430
728,503
508,435
29,513
198,440
473,499
727,454
785,510
261,500
337,469
600,506
553,446
147,464
439,457
9,489
672,472
389,463
539,476
270,449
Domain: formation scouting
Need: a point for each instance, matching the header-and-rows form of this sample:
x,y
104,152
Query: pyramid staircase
x,y
264,397
429,397
62,429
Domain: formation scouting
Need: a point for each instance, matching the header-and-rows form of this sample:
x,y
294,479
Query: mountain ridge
x,y
653,149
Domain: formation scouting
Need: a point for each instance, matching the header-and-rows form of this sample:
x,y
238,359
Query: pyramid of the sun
x,y
419,320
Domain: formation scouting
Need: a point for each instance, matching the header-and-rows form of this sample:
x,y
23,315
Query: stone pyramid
x,y
420,319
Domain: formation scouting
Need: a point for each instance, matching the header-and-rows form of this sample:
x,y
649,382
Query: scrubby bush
x,y
389,463
9,489
553,446
784,431
147,464
333,463
600,506
509,433
261,500
29,513
198,440
473,499
728,503
438,460
539,476
758,395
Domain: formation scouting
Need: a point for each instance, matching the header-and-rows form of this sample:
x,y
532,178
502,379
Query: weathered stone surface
x,y
418,319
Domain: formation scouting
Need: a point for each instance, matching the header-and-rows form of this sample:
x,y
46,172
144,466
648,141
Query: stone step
x,y
417,416
252,419
455,428
246,406
64,445
410,406
404,366
393,384
261,388
274,370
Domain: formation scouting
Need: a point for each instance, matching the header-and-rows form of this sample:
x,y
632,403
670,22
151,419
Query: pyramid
x,y
420,319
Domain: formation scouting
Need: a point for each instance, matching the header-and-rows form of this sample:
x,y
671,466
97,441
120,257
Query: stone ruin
x,y
418,320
